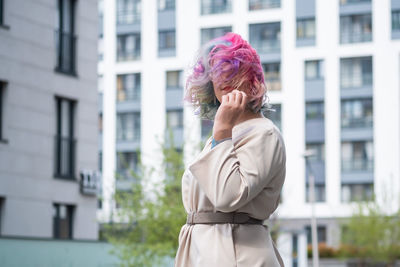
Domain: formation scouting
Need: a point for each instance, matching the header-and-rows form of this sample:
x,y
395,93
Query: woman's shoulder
x,y
255,126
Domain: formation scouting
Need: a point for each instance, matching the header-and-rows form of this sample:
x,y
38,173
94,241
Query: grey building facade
x,y
48,119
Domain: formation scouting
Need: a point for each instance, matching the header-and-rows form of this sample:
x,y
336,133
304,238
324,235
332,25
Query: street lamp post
x,y
311,185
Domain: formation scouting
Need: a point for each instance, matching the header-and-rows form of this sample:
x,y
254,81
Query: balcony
x,y
64,157
215,7
128,55
65,51
357,165
133,94
128,17
267,46
88,182
264,4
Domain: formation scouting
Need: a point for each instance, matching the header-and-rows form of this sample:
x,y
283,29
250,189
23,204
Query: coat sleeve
x,y
233,173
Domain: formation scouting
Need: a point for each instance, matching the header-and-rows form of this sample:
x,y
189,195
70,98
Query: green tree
x,y
152,219
372,235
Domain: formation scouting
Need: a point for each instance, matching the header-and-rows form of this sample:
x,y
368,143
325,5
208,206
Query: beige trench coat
x,y
243,174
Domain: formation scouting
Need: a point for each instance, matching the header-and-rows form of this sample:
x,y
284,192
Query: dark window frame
x,y
215,8
2,201
351,35
122,53
303,22
320,229
132,94
70,213
397,13
70,141
178,111
1,110
169,5
366,78
180,80
266,37
123,13
320,69
65,35
163,35
123,117
1,12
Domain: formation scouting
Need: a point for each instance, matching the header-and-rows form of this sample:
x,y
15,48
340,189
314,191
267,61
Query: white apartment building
x,y
48,123
332,69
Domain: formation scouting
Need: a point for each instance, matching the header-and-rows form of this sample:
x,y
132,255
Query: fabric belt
x,y
220,218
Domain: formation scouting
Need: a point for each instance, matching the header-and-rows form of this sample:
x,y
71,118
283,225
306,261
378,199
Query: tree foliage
x,y
152,218
372,235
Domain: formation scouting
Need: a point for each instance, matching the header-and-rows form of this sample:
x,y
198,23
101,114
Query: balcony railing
x,y
65,157
267,46
213,8
357,165
126,18
365,122
128,95
65,46
263,4
356,82
346,38
128,55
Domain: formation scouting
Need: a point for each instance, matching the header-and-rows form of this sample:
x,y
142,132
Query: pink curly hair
x,y
228,61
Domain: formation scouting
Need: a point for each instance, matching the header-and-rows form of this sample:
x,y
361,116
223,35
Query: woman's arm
x,y
232,174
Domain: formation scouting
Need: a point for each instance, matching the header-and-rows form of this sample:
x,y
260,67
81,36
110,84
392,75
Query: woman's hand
x,y
232,107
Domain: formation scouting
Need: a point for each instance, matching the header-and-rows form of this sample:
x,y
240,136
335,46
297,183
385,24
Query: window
x,y
355,28
321,233
263,4
215,6
100,161
344,2
166,5
128,87
175,119
357,113
357,192
63,221
174,79
306,28
65,37
100,123
126,163
315,110
128,126
314,69
272,75
166,40
128,47
275,115
355,72
1,12
2,89
396,20
319,193
211,33
357,156
265,37
1,211
65,142
128,11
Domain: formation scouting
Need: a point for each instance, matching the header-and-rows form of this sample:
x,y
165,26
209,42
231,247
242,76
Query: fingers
x,y
236,98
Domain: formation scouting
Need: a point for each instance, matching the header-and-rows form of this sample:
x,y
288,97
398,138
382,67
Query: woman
x,y
235,182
